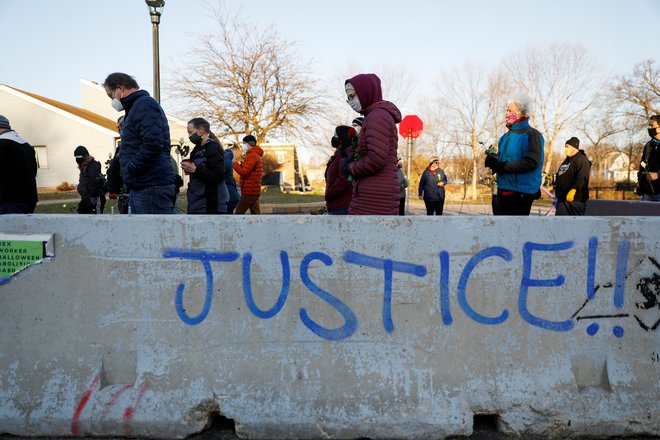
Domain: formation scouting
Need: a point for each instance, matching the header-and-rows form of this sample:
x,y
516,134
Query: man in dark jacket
x,y
518,163
18,171
145,147
432,187
648,176
91,183
572,180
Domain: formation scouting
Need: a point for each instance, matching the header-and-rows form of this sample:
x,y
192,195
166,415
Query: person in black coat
x,y
91,183
432,187
648,176
207,191
572,180
18,171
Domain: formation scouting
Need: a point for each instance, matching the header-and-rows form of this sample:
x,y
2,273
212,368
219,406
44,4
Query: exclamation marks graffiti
x,y
623,251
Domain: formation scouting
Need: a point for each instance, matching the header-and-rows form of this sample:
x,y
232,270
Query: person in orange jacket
x,y
251,169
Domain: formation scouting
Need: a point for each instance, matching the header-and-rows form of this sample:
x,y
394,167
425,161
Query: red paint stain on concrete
x,y
75,421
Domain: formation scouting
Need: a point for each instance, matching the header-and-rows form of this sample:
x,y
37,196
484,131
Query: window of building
x,y
41,152
280,157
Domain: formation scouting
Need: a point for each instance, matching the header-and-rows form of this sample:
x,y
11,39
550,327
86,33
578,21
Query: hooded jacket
x,y
145,143
91,182
376,182
18,171
251,171
573,174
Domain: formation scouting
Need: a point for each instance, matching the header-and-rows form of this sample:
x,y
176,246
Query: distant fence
x,y
621,191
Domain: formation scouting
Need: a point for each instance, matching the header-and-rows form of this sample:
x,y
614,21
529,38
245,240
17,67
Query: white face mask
x,y
246,147
116,104
355,104
353,99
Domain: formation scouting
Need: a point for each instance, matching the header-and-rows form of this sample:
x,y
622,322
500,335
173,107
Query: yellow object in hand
x,y
571,195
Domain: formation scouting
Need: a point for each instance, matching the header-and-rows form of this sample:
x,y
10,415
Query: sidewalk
x,y
453,207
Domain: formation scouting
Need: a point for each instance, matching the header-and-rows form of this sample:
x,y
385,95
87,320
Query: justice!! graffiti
x,y
389,267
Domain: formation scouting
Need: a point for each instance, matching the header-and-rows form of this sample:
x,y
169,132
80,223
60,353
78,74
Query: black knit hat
x,y
358,121
574,142
81,151
250,140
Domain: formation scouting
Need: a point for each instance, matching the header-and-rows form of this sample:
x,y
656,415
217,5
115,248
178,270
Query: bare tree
x,y
465,96
632,143
639,93
561,80
247,80
598,133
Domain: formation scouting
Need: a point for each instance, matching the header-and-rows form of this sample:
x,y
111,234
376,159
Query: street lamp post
x,y
155,11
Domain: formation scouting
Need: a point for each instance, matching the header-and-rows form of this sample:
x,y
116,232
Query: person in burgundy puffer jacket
x,y
373,167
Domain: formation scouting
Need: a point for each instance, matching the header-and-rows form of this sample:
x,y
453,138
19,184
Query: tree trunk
x,y
474,178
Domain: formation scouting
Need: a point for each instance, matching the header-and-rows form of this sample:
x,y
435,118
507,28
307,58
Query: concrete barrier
x,y
333,327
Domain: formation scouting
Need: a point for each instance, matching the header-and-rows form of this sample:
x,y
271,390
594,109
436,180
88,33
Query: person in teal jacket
x,y
518,163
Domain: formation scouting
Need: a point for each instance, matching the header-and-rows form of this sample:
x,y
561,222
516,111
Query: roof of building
x,y
76,111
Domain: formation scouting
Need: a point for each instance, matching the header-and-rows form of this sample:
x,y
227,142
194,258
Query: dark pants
x,y
434,206
15,208
231,205
248,202
570,208
402,206
513,203
87,206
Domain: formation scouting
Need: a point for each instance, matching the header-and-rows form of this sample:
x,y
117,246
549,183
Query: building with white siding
x,y
55,129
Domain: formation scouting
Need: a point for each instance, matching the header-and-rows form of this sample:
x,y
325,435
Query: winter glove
x,y
494,164
571,195
344,165
112,196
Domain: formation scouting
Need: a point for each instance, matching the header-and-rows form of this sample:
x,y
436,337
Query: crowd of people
x,y
364,176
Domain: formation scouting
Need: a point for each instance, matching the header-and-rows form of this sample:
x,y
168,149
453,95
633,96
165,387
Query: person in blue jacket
x,y
432,187
518,163
145,147
230,182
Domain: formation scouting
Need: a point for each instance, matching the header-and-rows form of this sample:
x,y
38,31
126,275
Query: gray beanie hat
x,y
4,122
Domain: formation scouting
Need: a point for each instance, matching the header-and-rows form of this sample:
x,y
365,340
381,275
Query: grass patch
x,y
270,197
59,195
